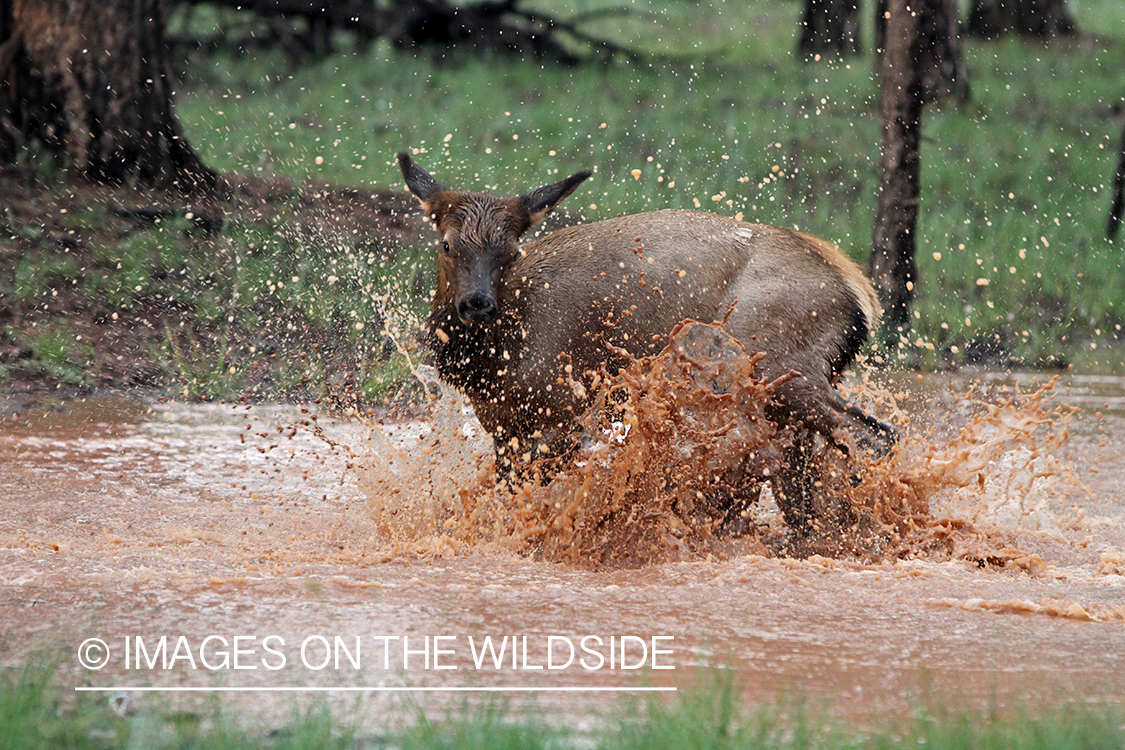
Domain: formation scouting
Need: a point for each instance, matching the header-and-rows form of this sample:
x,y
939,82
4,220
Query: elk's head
x,y
479,234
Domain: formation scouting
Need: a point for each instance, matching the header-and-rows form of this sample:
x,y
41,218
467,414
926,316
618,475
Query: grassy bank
x,y
37,714
1014,270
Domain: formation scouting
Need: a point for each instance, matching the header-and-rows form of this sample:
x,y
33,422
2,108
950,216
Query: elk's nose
x,y
478,308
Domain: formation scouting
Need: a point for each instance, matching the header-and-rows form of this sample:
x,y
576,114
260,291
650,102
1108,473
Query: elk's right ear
x,y
420,182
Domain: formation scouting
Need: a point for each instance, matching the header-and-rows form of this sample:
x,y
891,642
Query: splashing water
x,y
677,447
968,496
970,568
675,463
421,479
672,446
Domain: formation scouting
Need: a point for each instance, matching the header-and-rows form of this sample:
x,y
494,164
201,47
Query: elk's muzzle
x,y
477,308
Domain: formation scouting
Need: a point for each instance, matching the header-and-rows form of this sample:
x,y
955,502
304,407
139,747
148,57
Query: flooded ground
x,y
242,536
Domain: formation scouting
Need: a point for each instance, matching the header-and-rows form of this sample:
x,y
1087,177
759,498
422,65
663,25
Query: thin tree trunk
x,y
892,265
88,79
941,60
830,28
1117,209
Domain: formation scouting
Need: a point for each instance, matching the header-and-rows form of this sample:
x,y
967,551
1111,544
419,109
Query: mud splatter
x,y
1111,564
674,446
998,478
676,450
676,462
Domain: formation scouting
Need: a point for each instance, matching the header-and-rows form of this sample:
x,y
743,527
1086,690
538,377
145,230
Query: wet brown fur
x,y
561,303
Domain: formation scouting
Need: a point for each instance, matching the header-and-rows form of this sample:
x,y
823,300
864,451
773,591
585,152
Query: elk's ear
x,y
541,202
420,182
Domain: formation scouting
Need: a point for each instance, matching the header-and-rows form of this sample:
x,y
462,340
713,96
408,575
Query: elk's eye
x,y
445,248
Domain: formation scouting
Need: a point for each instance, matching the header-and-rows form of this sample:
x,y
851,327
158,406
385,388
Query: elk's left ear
x,y
541,202
420,182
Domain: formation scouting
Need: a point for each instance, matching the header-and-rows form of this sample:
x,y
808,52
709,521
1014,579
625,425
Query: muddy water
x,y
126,521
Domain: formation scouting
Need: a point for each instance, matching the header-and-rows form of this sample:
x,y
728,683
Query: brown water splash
x,y
675,462
677,448
971,495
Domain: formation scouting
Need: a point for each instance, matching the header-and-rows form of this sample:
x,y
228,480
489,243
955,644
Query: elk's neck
x,y
474,358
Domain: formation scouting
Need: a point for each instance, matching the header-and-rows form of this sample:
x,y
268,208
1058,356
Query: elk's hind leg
x,y
869,433
796,490
825,423
816,404
813,506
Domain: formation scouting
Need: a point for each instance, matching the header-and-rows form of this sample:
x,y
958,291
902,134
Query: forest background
x,y
307,272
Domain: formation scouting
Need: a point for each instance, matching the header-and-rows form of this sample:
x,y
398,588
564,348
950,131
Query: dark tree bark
x,y
830,29
943,64
1117,208
940,58
500,26
88,79
892,267
1036,18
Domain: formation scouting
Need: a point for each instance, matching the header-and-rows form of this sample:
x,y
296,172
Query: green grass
x,y
38,713
719,115
260,307
1015,183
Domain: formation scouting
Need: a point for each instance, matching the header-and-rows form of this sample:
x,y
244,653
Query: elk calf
x,y
513,325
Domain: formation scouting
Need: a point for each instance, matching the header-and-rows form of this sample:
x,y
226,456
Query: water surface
x,y
140,520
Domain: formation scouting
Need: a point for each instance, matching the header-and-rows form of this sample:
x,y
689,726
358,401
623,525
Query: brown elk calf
x,y
512,326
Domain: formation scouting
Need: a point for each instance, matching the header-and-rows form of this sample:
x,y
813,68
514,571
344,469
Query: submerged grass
x,y
37,714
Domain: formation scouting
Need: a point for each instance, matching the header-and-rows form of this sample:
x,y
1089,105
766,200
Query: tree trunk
x,y
88,79
830,29
1117,208
943,68
892,266
1037,18
940,58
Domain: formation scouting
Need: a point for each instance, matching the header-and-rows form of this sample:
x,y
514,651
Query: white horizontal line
x,y
318,689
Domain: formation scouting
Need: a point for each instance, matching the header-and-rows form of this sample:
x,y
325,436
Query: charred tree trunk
x,y
892,267
1117,209
88,79
830,28
1036,18
940,58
